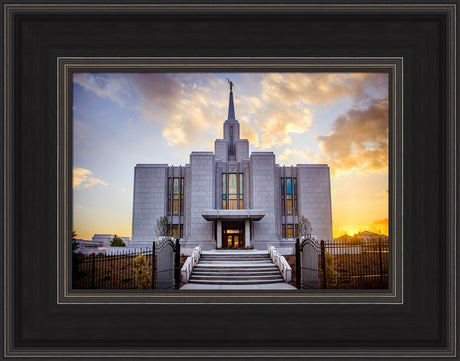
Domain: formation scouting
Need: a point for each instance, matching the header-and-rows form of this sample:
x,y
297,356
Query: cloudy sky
x,y
122,119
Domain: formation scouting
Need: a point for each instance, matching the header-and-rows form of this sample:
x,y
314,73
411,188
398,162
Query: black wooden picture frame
x,y
42,318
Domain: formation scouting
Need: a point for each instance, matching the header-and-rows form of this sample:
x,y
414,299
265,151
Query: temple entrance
x,y
232,235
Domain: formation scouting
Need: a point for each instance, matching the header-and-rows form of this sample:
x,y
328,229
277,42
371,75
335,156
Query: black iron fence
x,y
147,268
342,264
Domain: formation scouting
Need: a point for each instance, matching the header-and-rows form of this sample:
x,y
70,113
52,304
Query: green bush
x,y
117,242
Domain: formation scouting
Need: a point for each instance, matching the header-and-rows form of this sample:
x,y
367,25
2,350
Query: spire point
x,y
231,107
231,85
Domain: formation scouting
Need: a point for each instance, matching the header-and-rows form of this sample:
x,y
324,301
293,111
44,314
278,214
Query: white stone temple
x,y
231,199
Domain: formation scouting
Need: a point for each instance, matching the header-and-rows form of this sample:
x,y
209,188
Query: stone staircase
x,y
221,267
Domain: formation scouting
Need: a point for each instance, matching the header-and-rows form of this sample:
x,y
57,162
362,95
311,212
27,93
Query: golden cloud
x,y
319,88
82,179
359,139
284,105
192,119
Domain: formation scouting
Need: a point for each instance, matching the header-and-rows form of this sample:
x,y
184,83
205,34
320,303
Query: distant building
x,y
367,237
105,239
344,238
231,199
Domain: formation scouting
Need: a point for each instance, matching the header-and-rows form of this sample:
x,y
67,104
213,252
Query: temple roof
x,y
231,109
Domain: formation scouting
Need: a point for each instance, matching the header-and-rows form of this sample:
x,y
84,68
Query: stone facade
x,y
230,198
149,199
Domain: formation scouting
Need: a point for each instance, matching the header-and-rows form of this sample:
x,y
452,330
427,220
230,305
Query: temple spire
x,y
231,107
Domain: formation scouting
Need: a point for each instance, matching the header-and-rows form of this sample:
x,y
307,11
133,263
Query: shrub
x,y
330,273
143,278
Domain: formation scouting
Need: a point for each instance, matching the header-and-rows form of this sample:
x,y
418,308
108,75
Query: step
x,y
235,266
236,255
241,282
236,272
235,259
234,252
235,277
241,275
234,262
223,260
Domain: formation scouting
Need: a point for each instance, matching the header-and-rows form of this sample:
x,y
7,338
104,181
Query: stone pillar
x,y
219,233
247,233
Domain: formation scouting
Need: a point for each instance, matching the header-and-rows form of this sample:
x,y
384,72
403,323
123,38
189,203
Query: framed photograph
x,y
267,132
252,199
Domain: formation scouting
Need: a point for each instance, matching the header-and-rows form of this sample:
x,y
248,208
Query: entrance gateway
x,y
233,235
233,227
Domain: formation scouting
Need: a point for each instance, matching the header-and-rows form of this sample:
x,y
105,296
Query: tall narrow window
x,y
282,196
182,197
288,196
169,195
175,230
176,196
295,195
290,231
241,205
231,140
224,191
284,231
232,192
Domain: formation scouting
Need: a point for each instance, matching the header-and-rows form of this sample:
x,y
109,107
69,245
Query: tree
x,y
163,227
117,242
305,227
74,241
76,256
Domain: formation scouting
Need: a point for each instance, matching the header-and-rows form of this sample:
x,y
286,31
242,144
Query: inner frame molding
x,y
66,66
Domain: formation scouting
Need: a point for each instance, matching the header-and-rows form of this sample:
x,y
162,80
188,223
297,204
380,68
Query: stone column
x,y
247,233
219,233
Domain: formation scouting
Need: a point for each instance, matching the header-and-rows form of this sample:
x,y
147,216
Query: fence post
x,y
93,261
323,264
380,261
298,270
177,264
153,265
